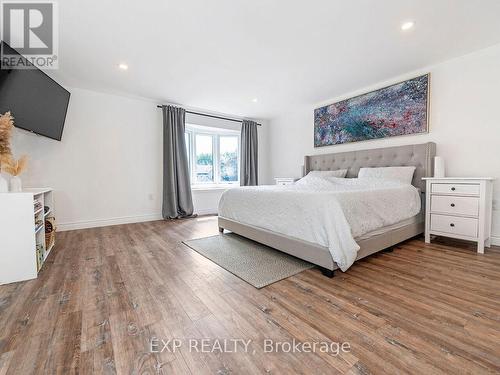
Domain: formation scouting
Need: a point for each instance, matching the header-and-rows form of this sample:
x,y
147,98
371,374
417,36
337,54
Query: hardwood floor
x,y
106,292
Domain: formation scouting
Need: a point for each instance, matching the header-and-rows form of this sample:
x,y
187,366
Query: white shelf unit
x,y
22,231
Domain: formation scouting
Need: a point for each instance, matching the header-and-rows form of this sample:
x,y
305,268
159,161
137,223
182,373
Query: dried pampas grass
x,y
12,166
7,163
6,126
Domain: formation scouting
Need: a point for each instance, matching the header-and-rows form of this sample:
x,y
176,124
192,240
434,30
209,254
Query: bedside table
x,y
459,208
285,180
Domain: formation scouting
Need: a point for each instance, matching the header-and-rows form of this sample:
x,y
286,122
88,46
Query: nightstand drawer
x,y
468,206
463,226
285,180
458,189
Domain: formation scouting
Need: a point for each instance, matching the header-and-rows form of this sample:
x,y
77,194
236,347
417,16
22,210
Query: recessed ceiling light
x,y
123,66
255,100
407,25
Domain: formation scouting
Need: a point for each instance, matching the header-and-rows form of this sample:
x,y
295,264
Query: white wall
x,y
108,167
464,122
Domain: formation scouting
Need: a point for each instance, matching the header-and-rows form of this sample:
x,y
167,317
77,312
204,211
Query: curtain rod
x,y
212,116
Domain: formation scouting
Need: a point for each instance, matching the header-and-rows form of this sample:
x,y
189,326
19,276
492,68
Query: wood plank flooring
x,y
106,292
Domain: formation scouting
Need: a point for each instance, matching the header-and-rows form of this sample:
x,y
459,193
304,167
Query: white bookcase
x,y
22,232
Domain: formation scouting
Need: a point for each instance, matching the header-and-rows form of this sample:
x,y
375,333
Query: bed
x,y
325,253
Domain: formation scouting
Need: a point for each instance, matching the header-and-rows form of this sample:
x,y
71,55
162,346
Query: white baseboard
x,y
495,240
210,211
61,227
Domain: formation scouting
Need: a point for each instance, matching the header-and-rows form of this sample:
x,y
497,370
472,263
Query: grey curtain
x,y
249,154
177,199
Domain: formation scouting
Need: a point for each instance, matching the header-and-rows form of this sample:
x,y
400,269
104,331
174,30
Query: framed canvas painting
x,y
399,109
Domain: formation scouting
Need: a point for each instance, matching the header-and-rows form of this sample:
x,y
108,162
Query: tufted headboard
x,y
421,156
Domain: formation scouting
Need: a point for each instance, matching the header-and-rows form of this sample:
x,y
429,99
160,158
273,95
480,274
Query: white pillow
x,y
401,174
315,181
324,174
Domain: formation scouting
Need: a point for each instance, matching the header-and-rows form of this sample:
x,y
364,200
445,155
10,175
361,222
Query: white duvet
x,y
328,212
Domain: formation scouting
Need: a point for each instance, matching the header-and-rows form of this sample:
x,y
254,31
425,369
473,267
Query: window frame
x,y
192,130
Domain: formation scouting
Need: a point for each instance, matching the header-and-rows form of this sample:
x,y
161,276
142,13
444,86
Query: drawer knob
x,y
453,189
453,205
452,225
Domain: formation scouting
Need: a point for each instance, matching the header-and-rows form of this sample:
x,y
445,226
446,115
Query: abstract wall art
x,y
399,109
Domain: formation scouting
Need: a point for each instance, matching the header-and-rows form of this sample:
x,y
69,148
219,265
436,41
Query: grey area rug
x,y
253,262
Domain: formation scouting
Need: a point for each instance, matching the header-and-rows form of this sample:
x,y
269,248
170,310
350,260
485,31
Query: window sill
x,y
213,187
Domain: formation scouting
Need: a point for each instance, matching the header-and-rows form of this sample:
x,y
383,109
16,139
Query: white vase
x,y
4,187
16,185
439,167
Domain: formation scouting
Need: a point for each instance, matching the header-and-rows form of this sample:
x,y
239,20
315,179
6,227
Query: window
x,y
213,156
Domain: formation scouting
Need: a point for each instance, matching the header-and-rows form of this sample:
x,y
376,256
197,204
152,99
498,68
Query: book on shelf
x,y
39,256
38,224
37,205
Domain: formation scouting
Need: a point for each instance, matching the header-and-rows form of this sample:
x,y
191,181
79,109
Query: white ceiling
x,y
220,54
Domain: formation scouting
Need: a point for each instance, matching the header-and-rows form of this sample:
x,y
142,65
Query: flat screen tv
x,y
37,102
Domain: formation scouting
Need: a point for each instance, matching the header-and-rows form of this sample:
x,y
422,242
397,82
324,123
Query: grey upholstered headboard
x,y
421,156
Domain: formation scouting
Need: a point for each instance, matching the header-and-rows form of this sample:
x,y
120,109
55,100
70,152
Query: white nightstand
x,y
459,208
285,180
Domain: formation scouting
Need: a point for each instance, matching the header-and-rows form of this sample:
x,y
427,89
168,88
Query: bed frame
x,y
420,155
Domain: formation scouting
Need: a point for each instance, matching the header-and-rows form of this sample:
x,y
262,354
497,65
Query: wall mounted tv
x,y
37,102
